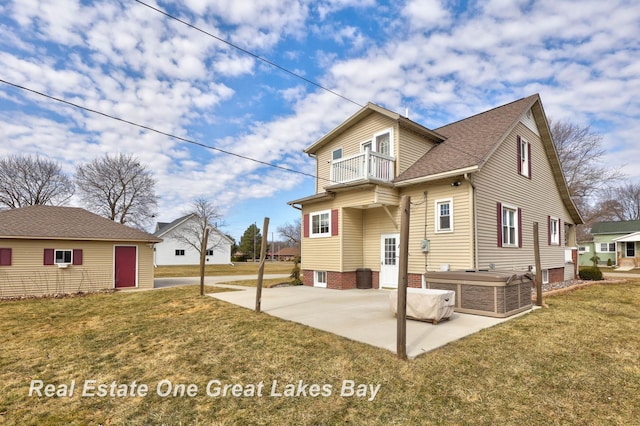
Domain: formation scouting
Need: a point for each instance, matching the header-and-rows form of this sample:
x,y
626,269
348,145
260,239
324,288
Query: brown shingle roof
x,y
468,142
67,223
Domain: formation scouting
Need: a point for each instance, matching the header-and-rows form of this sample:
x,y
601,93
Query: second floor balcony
x,y
364,166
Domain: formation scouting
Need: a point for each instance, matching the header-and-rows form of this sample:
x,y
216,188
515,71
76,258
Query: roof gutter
x,y
437,176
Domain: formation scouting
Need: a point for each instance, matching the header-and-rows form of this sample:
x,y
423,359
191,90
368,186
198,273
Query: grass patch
x,y
268,283
240,268
575,362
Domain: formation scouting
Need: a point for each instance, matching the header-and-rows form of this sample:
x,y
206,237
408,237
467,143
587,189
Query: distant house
x,y
287,253
614,241
52,250
173,250
477,187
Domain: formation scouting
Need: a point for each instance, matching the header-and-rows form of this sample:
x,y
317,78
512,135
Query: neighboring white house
x,y
173,251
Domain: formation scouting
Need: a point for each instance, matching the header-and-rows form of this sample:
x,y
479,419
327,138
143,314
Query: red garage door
x,y
125,266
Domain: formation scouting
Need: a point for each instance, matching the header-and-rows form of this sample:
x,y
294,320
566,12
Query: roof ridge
x,y
486,111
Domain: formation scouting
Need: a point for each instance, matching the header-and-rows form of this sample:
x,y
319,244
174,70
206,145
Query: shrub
x,y
591,274
609,263
295,272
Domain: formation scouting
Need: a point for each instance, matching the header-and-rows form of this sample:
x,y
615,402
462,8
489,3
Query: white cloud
x,y
425,15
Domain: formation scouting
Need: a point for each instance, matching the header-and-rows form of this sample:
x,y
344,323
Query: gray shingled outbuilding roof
x,y
66,223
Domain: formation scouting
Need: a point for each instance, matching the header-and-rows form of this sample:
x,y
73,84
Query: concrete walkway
x,y
361,315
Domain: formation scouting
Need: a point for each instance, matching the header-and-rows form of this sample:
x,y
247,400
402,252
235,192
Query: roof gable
x,y
469,142
163,228
360,115
65,223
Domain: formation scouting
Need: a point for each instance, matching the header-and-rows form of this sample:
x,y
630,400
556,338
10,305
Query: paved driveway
x,y
361,315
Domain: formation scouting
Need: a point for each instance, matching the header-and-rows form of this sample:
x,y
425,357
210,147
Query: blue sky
x,y
442,60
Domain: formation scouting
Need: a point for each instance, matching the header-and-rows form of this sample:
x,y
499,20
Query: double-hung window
x,y
509,226
524,157
179,252
554,231
606,247
444,215
321,224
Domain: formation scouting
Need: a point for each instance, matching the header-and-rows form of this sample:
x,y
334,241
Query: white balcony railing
x,y
366,165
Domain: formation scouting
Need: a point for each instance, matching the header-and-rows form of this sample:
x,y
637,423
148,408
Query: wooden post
x,y
263,255
403,267
203,253
536,250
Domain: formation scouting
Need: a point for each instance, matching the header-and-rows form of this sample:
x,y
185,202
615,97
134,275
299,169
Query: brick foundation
x,y
556,275
348,280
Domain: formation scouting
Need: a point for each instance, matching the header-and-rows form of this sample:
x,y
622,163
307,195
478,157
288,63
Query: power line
x,y
151,129
260,58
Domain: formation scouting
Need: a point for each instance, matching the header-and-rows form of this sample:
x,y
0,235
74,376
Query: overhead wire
x,y
151,129
243,50
190,141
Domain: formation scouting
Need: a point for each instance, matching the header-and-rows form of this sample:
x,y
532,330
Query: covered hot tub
x,y
489,293
425,304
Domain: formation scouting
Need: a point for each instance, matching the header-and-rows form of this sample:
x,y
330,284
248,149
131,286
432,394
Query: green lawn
x,y
575,362
239,268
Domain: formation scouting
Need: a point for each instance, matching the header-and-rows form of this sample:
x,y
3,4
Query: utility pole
x,y
203,253
403,266
263,255
536,253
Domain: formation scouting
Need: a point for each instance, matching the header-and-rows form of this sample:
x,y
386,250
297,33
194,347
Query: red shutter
x,y
77,256
530,159
549,230
5,257
519,228
48,256
519,141
499,224
305,226
334,222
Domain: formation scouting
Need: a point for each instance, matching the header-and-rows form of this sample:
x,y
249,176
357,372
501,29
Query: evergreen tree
x,y
250,242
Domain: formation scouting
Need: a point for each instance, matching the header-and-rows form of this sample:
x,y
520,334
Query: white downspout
x,y
475,222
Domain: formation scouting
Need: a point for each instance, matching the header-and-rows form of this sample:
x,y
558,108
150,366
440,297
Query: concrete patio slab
x,y
361,315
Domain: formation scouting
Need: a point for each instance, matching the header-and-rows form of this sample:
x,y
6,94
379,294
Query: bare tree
x,y
621,203
581,156
291,232
202,214
118,187
27,180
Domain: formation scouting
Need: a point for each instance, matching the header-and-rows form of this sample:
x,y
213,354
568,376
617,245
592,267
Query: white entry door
x,y
389,253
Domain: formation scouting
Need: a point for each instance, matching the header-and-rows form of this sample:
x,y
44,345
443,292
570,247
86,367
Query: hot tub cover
x,y
426,304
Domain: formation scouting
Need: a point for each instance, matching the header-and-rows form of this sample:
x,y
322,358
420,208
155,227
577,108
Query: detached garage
x,y
52,250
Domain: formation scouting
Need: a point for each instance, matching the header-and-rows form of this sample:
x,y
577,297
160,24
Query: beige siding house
x,y
477,186
52,250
